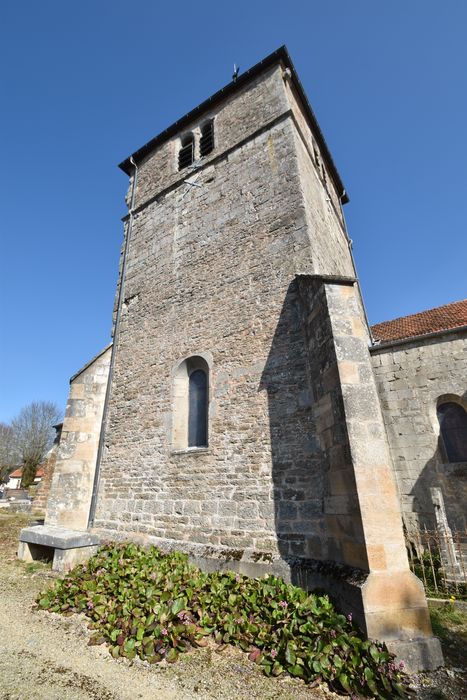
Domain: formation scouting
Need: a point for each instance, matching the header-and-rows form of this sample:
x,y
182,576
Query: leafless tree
x,y
33,435
9,456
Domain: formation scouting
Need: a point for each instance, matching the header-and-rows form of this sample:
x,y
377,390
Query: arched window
x,y
197,409
191,404
186,154
453,428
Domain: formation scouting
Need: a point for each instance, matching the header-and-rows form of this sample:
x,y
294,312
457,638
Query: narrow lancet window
x,y
186,154
191,404
197,409
206,142
453,428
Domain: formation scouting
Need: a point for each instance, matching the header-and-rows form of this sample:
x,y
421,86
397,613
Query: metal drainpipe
x,y
100,449
349,243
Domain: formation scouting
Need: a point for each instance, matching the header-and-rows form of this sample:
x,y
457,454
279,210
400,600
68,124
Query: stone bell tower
x,y
241,422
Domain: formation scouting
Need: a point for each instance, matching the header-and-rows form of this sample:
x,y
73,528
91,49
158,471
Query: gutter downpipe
x,y
349,243
100,449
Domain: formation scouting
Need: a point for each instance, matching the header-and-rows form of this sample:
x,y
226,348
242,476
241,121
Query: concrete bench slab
x,y
70,547
60,537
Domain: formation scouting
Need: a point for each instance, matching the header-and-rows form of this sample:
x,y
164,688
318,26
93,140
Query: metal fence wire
x,y
439,558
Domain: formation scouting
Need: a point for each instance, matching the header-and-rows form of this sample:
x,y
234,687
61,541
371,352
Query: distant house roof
x,y
442,318
18,473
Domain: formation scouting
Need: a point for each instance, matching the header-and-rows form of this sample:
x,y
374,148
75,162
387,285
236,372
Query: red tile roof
x,y
18,473
442,318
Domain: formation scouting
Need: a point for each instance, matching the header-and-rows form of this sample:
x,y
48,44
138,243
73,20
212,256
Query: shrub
x,y
152,605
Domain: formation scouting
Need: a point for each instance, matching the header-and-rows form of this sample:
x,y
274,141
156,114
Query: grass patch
x,y
449,623
34,567
445,618
447,615
10,525
154,606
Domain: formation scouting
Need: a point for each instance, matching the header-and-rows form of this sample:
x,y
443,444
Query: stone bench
x,y
66,548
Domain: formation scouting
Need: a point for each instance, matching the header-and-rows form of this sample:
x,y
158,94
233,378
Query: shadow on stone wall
x,y
298,471
451,479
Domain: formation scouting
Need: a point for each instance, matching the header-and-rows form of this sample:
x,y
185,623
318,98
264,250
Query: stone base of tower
x,y
389,607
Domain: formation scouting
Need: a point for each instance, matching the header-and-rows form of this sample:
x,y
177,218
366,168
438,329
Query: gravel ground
x,y
44,656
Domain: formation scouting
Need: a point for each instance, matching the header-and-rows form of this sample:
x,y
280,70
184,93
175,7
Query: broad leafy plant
x,y
155,606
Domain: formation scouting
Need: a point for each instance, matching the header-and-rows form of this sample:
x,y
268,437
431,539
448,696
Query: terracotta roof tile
x,y
441,318
19,472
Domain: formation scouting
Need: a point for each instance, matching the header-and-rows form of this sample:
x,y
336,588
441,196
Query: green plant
x,y
155,606
446,615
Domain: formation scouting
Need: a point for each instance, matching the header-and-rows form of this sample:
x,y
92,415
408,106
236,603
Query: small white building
x,y
14,480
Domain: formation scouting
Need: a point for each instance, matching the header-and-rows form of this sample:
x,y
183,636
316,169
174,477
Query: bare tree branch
x,y
33,435
9,455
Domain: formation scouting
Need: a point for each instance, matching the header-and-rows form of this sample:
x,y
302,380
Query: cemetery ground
x,y
45,656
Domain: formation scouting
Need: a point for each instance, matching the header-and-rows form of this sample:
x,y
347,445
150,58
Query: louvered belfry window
x,y
186,154
206,142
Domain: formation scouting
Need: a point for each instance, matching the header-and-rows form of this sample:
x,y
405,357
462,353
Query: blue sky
x,y
85,84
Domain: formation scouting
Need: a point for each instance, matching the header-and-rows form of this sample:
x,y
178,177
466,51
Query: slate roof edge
x,y
280,55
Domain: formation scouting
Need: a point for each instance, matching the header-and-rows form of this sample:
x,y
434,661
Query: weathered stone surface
x,y
420,654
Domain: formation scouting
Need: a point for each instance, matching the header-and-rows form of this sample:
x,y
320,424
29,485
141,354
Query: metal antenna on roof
x,y
236,71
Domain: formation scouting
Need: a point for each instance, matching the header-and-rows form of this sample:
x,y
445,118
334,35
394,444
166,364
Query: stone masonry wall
x,y
43,488
320,169
211,270
73,477
412,377
328,238
343,539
